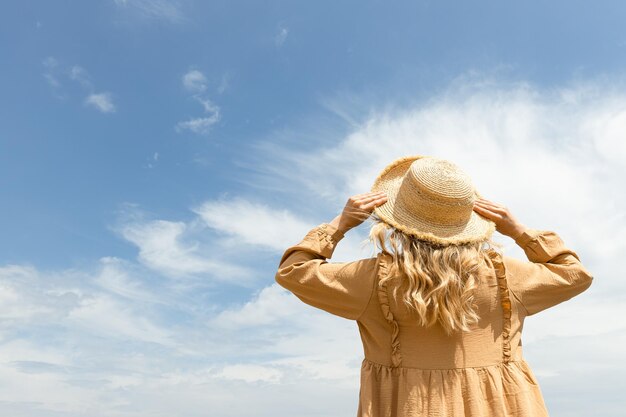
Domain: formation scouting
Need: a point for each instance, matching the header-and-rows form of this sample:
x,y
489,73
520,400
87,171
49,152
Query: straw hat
x,y
431,199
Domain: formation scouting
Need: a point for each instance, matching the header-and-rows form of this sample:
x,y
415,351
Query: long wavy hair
x,y
440,280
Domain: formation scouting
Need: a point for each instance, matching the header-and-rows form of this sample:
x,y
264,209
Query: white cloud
x,y
261,311
15,305
108,318
168,247
253,223
607,129
201,125
101,101
25,296
250,373
54,75
195,81
115,277
209,107
303,339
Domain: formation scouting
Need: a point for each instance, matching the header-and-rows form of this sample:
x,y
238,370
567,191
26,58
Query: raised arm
x,y
340,288
553,272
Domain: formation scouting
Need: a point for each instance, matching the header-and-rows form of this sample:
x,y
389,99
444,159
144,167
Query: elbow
x,y
583,281
588,279
586,276
288,274
281,279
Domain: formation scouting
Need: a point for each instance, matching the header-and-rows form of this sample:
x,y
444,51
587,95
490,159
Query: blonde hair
x,y
440,280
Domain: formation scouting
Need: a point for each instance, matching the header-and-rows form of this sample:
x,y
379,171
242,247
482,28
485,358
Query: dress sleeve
x,y
340,288
553,275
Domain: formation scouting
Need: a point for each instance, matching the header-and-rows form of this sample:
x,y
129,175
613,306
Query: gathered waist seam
x,y
497,364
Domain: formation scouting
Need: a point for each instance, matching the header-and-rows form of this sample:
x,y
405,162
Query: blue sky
x,y
158,156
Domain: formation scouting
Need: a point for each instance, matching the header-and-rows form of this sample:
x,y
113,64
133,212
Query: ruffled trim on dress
x,y
505,301
383,298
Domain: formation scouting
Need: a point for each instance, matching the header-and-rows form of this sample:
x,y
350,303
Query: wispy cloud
x,y
199,125
224,84
51,75
195,82
281,36
253,223
55,73
168,247
169,10
80,75
101,101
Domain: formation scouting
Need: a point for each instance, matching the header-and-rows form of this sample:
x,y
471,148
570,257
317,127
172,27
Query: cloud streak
x,y
195,82
153,9
54,74
101,101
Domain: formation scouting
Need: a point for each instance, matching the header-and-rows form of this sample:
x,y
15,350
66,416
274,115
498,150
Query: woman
x,y
440,310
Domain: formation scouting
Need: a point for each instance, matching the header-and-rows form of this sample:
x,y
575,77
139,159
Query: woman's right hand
x,y
505,222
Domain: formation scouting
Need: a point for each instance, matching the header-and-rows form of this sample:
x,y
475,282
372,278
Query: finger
x,y
487,213
369,193
480,209
368,198
371,198
356,210
484,208
358,214
375,194
485,201
374,203
365,210
491,206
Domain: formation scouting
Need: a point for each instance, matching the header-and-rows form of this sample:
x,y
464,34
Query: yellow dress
x,y
410,370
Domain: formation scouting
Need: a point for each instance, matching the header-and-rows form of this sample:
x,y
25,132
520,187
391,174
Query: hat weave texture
x,y
432,199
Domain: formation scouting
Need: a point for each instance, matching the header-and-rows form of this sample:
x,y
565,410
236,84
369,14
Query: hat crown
x,y
442,180
438,192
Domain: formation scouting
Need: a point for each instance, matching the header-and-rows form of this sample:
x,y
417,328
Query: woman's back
x,y
513,290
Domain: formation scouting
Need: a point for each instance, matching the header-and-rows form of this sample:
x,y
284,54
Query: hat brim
x,y
478,228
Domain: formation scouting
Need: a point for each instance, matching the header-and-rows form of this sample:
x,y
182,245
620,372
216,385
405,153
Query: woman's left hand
x,y
358,208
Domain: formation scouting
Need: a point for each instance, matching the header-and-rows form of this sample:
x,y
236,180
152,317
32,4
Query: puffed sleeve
x,y
553,275
340,288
